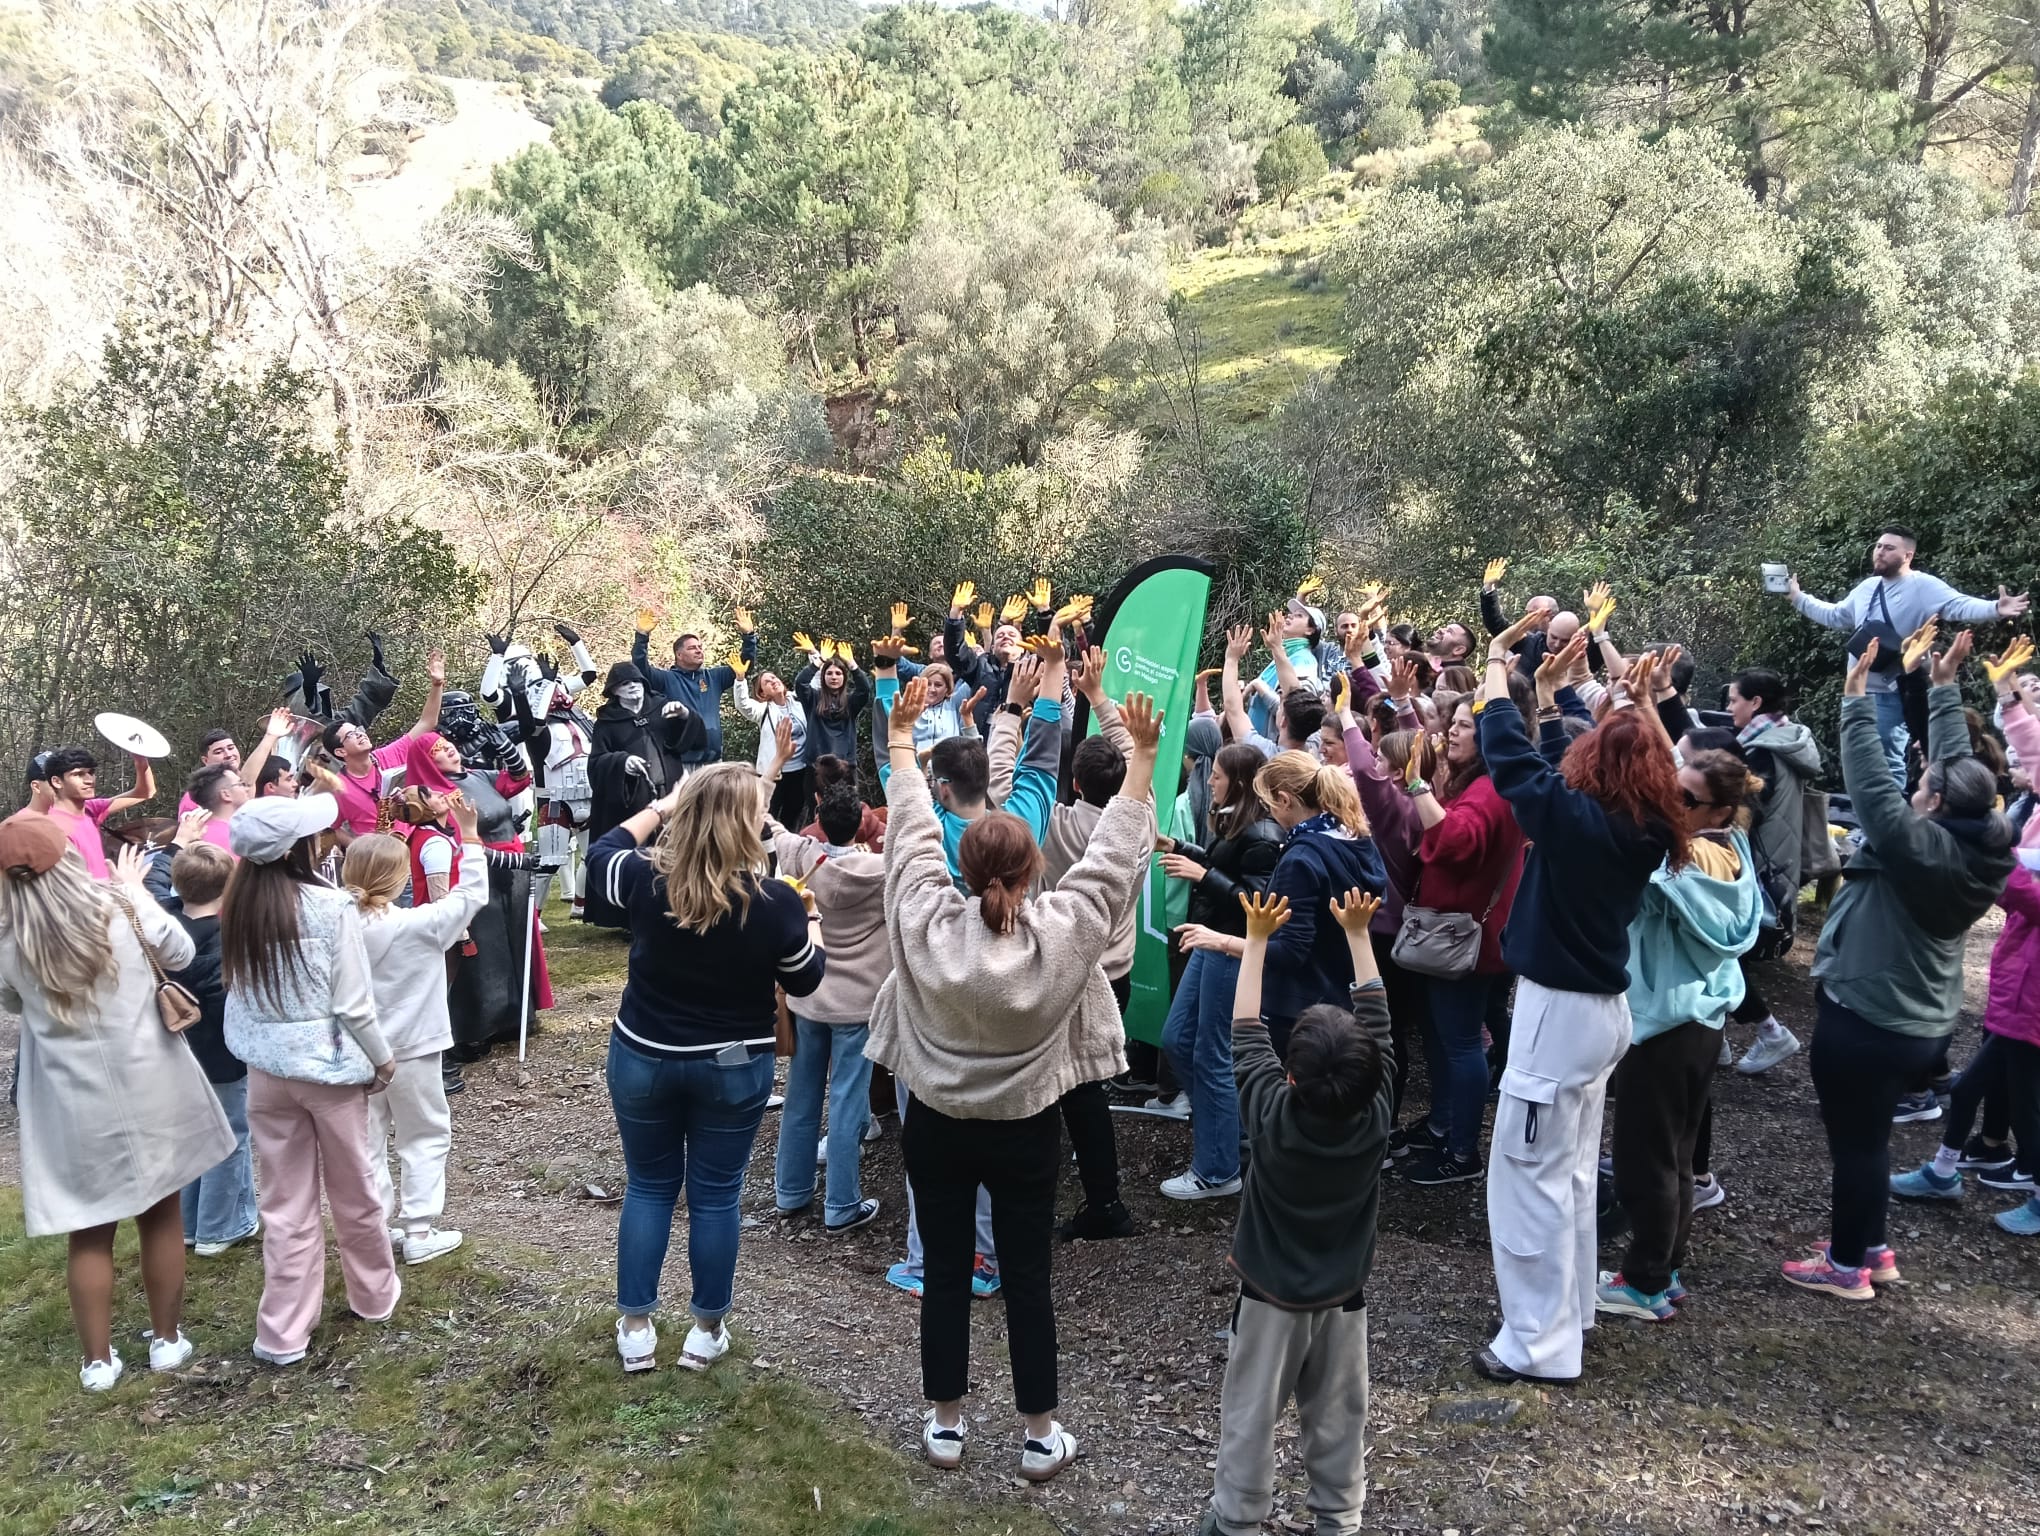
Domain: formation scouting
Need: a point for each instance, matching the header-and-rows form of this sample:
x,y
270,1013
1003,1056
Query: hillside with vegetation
x,y
735,293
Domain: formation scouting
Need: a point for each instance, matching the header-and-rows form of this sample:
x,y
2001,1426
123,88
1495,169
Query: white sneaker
x,y
1187,1186
396,1237
943,1443
1727,1056
822,1153
703,1348
170,1354
873,1131
99,1375
1708,1193
1042,1459
1772,1047
774,1101
214,1250
432,1243
638,1348
1177,1108
272,1357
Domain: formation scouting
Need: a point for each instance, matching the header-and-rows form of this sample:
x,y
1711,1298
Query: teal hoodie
x,y
1684,945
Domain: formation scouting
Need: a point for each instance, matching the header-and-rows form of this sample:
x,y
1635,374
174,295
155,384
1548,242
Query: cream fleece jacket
x,y
849,892
988,1026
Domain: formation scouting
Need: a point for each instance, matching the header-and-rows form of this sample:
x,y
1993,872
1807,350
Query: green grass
x,y
491,1404
578,955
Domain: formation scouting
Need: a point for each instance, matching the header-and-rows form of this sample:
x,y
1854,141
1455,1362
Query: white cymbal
x,y
131,735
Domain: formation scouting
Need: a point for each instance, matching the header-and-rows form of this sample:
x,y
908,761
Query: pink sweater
x,y
2014,1007
2023,732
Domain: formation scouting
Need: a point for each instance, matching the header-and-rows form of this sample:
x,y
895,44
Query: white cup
x,y
1777,578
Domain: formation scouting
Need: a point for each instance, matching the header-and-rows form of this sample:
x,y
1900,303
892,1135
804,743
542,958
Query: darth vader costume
x,y
483,995
639,752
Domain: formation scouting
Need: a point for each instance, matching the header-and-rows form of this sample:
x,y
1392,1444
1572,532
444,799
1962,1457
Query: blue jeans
x,y
1891,732
1457,1061
1198,1040
828,1058
684,1121
219,1205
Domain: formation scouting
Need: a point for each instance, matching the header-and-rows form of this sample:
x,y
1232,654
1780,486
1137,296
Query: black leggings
x,y
1019,1162
1409,1015
1087,1114
1859,1072
1752,1009
1984,1084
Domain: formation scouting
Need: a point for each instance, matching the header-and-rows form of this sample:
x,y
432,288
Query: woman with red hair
x,y
1601,815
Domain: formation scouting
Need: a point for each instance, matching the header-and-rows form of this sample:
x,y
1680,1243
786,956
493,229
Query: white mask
x,y
631,696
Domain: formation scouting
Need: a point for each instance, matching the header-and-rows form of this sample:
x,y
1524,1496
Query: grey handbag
x,y
1444,944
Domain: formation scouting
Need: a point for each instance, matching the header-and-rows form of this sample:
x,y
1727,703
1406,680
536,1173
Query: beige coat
x,y
115,1111
988,1026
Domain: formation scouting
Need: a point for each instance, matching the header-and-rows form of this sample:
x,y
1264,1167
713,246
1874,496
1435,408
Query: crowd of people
x,y
1530,860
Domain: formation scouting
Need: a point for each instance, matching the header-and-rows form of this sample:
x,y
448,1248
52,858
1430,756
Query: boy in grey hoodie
x,y
1304,1247
848,886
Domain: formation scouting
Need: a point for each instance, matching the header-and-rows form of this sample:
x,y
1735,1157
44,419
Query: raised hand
x,y
1272,635
498,643
1024,686
782,740
191,826
913,698
745,622
1076,611
1310,586
1341,696
1599,614
2009,660
1265,914
1014,610
831,647
900,618
984,617
568,633
1533,621
466,817
1641,683
1948,664
738,665
435,669
1497,568
1668,658
803,643
1599,593
1087,675
1238,641
1356,910
2010,604
1918,644
309,673
1402,680
281,720
1142,720
1043,646
1413,770
1042,595
128,865
972,704
647,620
1858,683
964,595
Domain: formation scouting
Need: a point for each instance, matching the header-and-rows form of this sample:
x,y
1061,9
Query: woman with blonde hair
x,y
996,1007
690,1057
116,1114
1326,851
301,1014
407,966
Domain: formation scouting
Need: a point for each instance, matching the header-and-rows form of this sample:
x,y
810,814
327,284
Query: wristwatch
x,y
1017,711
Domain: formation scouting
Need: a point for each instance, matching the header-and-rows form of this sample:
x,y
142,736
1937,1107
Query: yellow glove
x,y
984,617
1919,643
1043,594
964,595
1076,610
1598,622
1265,914
1015,609
647,620
1310,586
830,647
738,665
900,619
1355,910
2015,656
1496,570
804,645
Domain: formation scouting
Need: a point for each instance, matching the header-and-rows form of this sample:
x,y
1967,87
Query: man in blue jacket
x,y
701,688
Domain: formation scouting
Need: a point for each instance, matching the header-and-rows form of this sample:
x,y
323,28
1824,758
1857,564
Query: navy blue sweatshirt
x,y
691,993
1308,962
1587,869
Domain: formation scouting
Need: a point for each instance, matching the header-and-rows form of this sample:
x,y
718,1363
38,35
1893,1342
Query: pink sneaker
x,y
1881,1262
1819,1274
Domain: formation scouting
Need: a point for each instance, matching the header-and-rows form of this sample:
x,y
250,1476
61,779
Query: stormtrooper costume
x,y
535,702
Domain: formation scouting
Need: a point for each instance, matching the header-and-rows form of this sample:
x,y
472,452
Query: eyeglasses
x,y
1695,803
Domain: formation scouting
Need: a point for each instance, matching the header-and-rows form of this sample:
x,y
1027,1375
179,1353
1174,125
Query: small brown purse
x,y
176,1004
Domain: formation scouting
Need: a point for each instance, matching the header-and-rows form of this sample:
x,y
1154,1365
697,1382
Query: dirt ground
x,y
1760,1408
